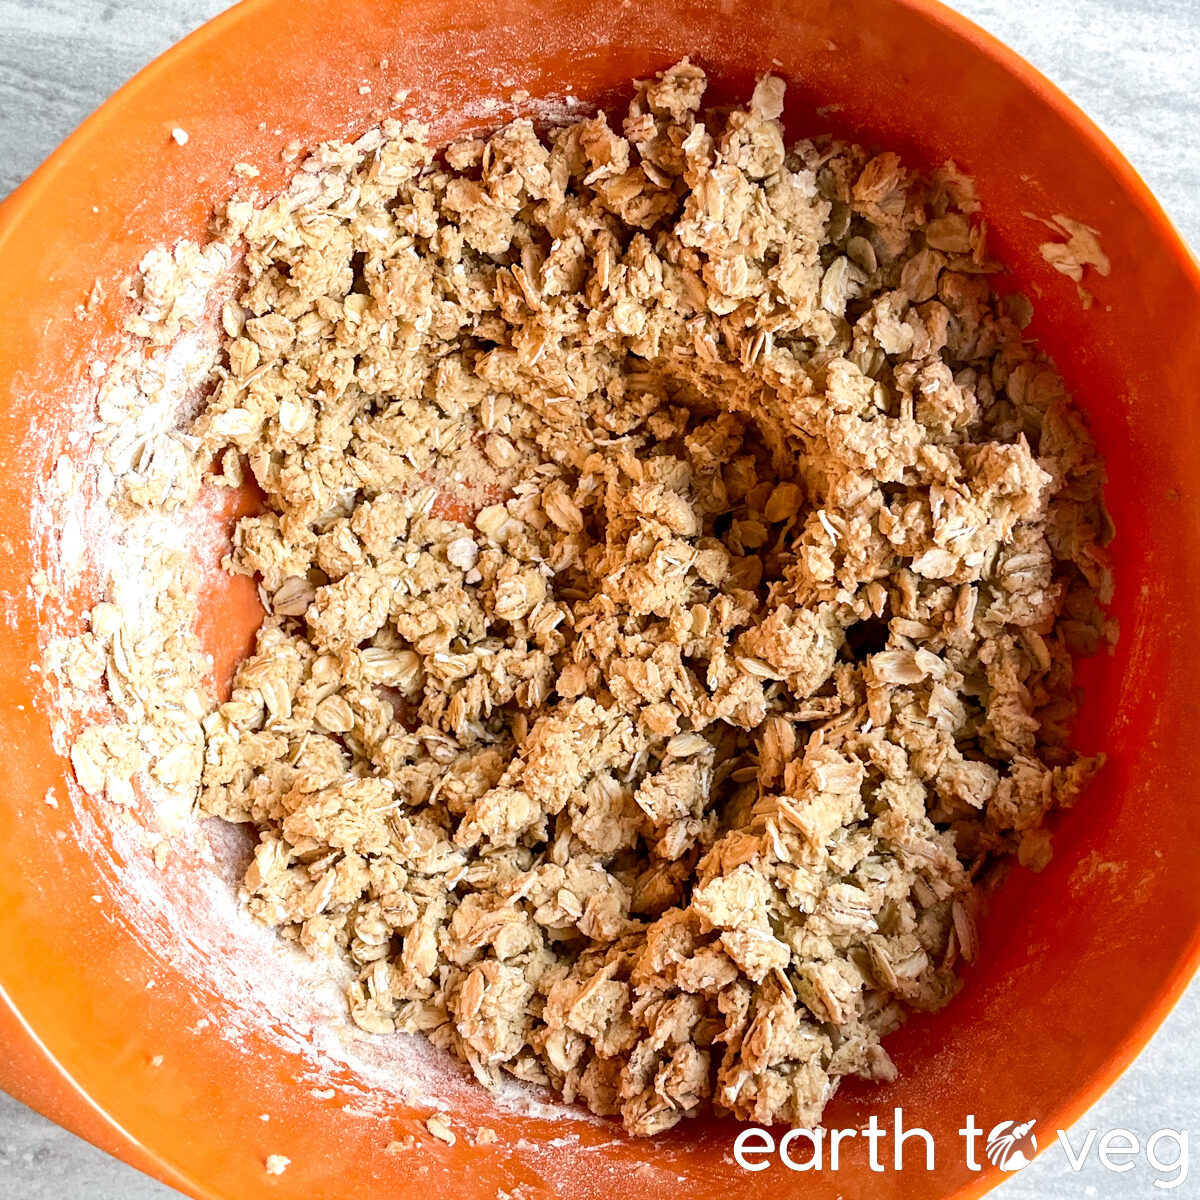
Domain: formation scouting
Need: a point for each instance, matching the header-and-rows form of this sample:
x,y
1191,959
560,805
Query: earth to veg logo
x,y
1007,1146
1011,1146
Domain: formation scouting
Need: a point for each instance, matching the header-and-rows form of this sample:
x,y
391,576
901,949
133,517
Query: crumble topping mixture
x,y
674,559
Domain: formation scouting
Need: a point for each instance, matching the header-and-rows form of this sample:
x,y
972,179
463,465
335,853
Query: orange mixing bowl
x,y
110,1020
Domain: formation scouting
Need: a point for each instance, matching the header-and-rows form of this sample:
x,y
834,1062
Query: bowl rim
x,y
17,206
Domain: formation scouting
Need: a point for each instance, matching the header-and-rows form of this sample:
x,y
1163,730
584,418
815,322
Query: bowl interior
x,y
150,999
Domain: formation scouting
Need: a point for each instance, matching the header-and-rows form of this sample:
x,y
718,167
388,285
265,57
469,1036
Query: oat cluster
x,y
674,558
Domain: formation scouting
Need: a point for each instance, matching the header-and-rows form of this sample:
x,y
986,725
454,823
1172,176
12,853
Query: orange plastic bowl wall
x,y
1081,962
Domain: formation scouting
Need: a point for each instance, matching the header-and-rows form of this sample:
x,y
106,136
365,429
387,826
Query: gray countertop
x,y
1133,65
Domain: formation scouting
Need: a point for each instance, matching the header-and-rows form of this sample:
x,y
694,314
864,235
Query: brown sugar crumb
x,y
675,560
485,1136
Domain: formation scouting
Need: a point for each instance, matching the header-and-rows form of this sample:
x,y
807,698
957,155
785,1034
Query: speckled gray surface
x,y
1134,65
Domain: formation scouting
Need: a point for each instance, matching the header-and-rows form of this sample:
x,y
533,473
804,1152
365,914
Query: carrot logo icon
x,y
1011,1146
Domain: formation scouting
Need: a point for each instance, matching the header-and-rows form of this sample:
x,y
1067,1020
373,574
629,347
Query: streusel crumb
x,y
675,559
